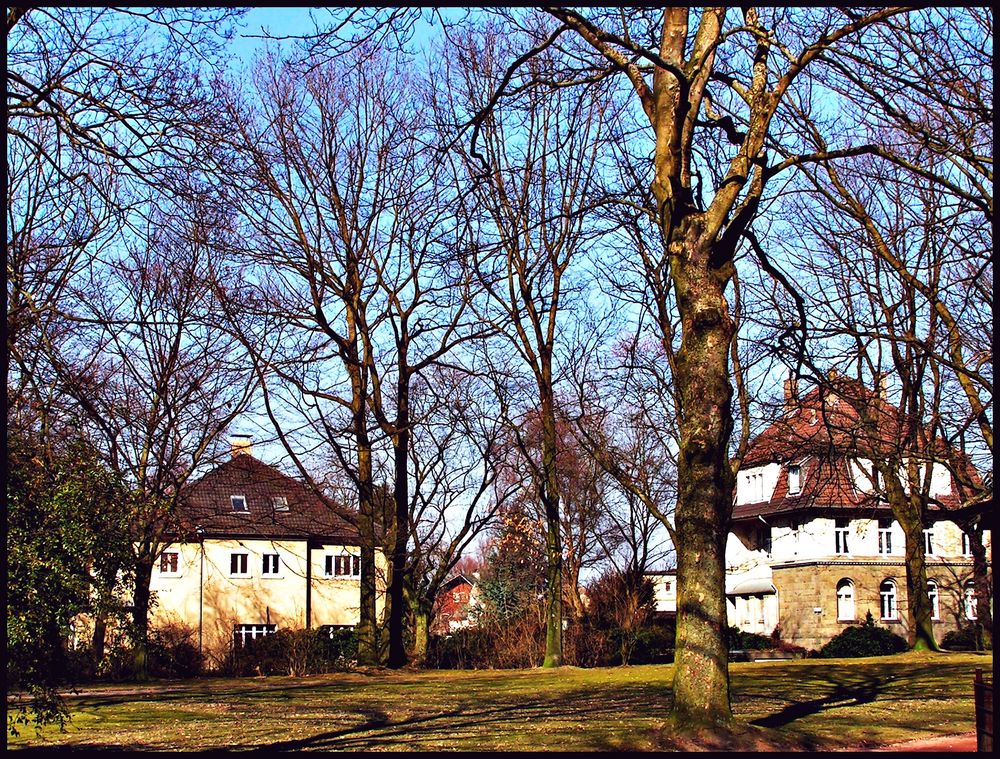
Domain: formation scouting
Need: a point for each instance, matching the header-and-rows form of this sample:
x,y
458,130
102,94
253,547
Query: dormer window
x,y
794,479
280,503
239,503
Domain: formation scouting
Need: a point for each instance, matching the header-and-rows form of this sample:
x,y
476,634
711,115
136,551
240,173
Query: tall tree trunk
x,y
549,496
367,622
140,617
99,637
401,496
421,630
919,615
981,582
705,479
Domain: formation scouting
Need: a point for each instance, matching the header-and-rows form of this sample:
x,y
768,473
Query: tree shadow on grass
x,y
843,694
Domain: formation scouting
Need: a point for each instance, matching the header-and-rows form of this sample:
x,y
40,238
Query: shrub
x,y
654,644
294,652
863,640
173,652
962,639
747,641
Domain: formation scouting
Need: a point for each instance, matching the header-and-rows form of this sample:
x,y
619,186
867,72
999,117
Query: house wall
x,y
807,594
203,595
664,592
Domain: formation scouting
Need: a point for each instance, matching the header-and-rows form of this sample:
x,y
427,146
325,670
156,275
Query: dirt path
x,y
963,742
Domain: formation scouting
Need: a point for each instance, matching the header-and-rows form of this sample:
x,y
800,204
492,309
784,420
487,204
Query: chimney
x,y
883,386
241,444
791,394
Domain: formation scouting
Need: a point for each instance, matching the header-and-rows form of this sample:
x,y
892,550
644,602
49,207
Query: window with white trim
x,y
342,565
244,634
347,565
969,601
845,600
885,536
887,600
169,563
239,503
932,596
239,565
270,565
279,503
794,479
840,529
966,544
929,541
764,539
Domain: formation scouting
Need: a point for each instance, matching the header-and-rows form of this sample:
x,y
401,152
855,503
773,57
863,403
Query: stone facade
x,y
808,603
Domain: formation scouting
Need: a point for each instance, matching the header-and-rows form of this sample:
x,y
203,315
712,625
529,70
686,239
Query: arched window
x,y
932,595
845,600
970,600
887,596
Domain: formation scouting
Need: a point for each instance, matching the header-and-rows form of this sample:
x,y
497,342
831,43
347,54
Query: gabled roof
x,y
206,504
823,432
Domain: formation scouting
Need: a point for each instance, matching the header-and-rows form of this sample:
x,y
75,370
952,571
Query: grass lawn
x,y
805,704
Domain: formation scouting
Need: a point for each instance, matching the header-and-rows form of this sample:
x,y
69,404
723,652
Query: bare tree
x,y
104,106
156,378
716,89
455,460
526,202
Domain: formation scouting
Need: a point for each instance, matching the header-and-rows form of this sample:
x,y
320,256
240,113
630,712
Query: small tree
x,y
67,550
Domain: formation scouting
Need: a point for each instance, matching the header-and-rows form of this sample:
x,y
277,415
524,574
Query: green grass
x,y
798,705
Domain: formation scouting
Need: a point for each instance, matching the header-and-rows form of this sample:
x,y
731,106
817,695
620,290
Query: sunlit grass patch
x,y
792,705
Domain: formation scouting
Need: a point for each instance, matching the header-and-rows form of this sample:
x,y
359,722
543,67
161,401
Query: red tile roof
x,y
206,504
822,433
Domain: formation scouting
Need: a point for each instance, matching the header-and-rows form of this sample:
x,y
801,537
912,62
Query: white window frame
x,y
765,539
279,503
969,604
845,601
935,598
885,538
252,631
840,534
966,544
232,504
176,562
929,541
794,479
265,565
347,561
888,601
245,562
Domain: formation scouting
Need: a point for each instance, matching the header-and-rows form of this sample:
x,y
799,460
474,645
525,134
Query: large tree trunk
x,y
421,631
98,639
367,622
981,581
919,614
140,617
553,530
705,481
401,496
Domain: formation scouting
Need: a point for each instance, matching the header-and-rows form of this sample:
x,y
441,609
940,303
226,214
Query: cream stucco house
x,y
257,551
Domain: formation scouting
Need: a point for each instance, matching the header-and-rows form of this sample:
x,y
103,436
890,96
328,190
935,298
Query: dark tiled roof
x,y
822,433
206,504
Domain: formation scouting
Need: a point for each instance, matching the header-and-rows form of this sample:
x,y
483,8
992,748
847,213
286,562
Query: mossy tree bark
x,y
981,582
700,244
140,617
549,495
401,521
